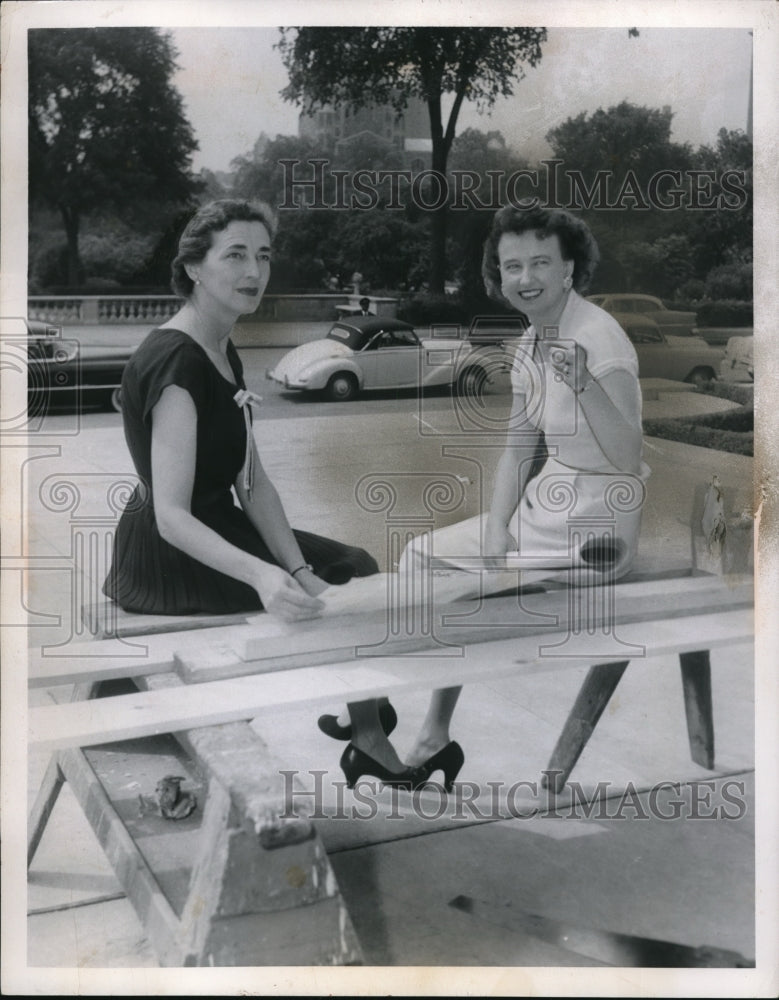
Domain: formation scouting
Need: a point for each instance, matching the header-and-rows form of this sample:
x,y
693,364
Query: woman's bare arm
x,y
266,512
173,452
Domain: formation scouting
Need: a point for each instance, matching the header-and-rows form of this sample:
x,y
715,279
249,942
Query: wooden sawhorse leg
x,y
45,800
51,786
598,687
696,683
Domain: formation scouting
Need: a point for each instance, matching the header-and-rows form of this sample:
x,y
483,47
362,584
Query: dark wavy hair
x,y
576,243
196,240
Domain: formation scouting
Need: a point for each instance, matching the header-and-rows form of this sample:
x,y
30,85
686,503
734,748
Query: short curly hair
x,y
197,238
576,243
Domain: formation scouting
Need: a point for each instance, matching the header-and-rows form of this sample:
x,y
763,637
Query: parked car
x,y
673,322
376,352
738,365
61,370
684,360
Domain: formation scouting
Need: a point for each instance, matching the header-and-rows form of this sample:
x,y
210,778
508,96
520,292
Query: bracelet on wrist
x,y
307,566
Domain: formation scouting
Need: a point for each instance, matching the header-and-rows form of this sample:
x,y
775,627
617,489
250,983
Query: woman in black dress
x,y
183,545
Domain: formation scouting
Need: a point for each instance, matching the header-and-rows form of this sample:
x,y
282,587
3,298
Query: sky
x,y
230,80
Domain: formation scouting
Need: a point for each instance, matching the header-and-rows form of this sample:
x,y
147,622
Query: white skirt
x,y
574,527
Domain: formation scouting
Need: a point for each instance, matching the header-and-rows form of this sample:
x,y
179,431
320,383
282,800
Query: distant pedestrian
x,y
365,307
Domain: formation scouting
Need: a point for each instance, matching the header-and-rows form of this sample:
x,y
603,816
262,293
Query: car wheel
x,y
115,399
700,376
472,382
342,386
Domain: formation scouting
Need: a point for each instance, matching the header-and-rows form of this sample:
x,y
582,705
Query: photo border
x,y
17,18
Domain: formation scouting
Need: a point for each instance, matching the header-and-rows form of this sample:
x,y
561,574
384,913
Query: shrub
x,y
728,430
725,312
118,257
742,393
423,309
690,291
720,439
730,281
49,264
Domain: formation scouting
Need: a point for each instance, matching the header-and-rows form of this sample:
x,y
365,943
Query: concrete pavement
x,y
682,881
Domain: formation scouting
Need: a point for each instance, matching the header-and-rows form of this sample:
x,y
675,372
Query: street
x,y
278,402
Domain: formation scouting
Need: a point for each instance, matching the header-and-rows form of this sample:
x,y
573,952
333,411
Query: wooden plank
x,y
105,619
215,702
267,644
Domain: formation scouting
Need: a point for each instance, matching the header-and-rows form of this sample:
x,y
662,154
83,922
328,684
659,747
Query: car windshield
x,y
643,335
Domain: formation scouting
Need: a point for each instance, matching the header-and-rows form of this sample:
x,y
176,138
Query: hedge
x,y
729,430
725,312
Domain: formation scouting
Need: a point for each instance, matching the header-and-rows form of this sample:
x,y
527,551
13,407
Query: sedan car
x,y
62,370
673,322
687,360
377,352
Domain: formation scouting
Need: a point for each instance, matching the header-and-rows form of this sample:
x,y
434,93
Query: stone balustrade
x,y
138,310
102,309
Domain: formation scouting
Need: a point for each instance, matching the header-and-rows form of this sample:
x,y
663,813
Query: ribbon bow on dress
x,y
246,400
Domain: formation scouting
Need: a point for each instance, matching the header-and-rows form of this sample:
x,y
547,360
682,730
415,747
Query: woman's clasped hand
x,y
291,599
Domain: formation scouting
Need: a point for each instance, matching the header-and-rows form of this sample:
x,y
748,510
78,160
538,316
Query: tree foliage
x,y
389,65
660,250
107,128
624,137
725,237
261,176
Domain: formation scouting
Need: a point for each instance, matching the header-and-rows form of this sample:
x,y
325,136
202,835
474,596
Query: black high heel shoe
x,y
449,760
388,718
355,763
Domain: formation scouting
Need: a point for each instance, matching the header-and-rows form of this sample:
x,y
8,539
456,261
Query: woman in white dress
x,y
575,387
576,394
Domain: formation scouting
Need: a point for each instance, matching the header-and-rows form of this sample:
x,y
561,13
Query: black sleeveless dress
x,y
148,575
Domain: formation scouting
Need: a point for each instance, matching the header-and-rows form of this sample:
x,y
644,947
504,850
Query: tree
x,y
106,127
626,137
261,175
610,158
480,152
724,235
388,65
